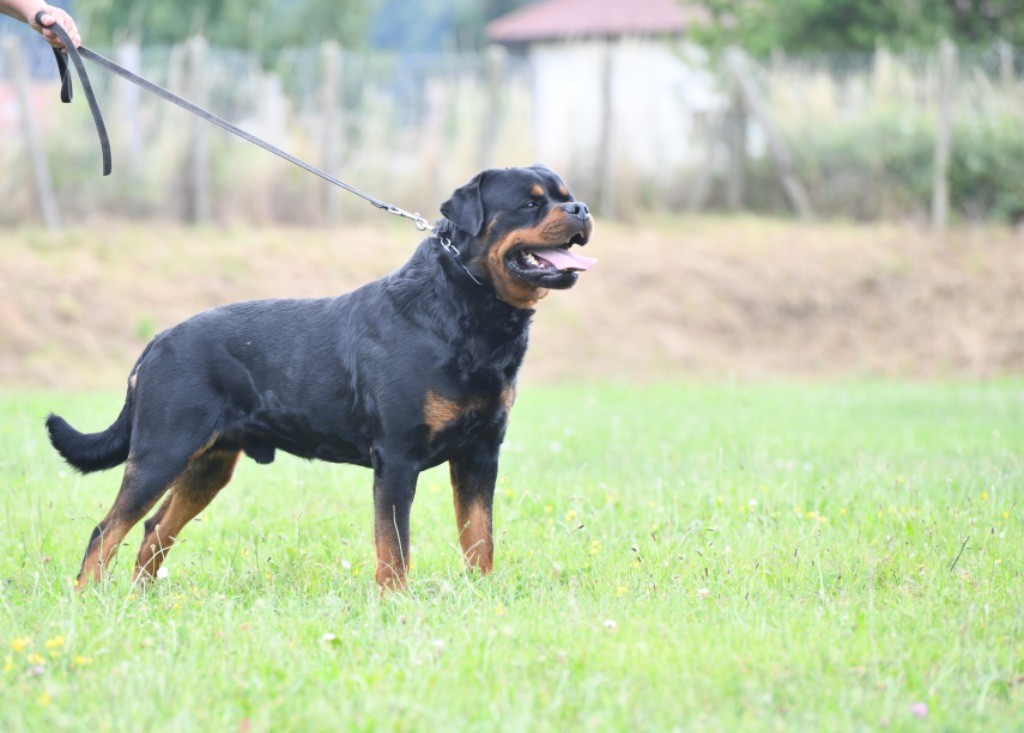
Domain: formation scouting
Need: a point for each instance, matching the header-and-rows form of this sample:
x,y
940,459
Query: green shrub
x,y
881,165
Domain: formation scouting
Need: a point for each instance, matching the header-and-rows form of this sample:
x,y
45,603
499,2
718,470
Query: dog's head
x,y
514,229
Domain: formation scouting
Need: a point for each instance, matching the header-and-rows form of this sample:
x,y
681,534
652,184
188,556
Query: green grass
x,y
753,557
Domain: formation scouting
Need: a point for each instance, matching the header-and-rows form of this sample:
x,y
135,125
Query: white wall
x,y
659,88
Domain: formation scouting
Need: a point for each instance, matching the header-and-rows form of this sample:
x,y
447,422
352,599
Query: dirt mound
x,y
699,298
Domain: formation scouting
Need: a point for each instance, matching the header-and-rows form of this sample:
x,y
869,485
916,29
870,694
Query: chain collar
x,y
447,246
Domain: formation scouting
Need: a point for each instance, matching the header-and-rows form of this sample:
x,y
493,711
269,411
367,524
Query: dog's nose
x,y
577,208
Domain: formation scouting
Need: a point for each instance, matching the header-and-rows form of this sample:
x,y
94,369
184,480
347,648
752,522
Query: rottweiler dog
x,y
403,374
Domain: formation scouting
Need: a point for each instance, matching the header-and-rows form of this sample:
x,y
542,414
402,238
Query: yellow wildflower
x,y
44,699
621,591
20,644
55,643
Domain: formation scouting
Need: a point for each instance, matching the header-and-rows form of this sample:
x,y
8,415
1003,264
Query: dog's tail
x,y
88,452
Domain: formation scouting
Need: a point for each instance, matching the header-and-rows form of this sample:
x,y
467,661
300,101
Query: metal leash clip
x,y
421,223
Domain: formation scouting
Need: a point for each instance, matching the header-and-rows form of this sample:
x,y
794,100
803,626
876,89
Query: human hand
x,y
54,15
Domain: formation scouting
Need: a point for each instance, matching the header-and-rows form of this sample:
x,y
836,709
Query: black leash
x,y
76,55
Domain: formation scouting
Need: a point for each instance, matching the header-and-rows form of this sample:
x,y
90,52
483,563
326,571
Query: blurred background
x,y
786,187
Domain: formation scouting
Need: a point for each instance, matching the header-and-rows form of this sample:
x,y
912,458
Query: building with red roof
x,y
619,89
575,19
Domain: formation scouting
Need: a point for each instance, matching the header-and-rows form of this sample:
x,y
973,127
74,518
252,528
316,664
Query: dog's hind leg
x,y
142,486
190,493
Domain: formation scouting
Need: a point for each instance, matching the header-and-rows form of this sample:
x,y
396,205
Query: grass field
x,y
756,557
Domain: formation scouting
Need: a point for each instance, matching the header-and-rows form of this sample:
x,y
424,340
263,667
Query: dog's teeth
x,y
531,260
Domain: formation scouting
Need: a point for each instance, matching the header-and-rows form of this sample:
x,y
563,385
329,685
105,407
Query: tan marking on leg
x,y
151,543
113,529
474,520
473,517
101,551
392,558
190,493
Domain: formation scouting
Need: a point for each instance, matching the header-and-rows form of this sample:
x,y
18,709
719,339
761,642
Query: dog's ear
x,y
465,208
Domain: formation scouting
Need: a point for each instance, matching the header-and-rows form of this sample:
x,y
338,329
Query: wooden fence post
x,y
705,126
432,132
331,125
740,70
1006,72
45,197
736,142
943,136
496,59
199,204
129,56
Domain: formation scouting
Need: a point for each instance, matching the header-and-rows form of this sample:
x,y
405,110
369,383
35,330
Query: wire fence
x,y
859,134
403,128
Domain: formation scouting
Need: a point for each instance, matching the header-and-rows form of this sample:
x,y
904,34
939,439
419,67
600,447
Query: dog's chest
x,y
472,397
453,421
485,363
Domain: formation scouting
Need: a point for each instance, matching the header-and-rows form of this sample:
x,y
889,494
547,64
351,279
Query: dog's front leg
x,y
474,473
394,486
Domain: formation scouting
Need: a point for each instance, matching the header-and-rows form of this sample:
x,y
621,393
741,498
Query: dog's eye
x,y
531,204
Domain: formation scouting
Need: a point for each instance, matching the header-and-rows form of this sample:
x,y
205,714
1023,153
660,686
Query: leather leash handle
x,y
66,91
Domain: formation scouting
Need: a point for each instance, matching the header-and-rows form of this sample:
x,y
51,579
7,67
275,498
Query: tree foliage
x,y
261,25
851,25
246,24
435,25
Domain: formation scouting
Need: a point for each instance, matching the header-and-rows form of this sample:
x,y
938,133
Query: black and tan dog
x,y
407,372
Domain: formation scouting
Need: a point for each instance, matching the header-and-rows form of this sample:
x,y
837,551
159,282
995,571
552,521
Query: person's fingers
x,y
55,15
44,21
51,38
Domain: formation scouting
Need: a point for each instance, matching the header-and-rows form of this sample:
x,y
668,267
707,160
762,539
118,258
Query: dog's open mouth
x,y
546,259
552,264
552,258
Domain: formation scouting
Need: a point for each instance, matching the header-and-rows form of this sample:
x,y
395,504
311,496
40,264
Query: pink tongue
x,y
564,260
